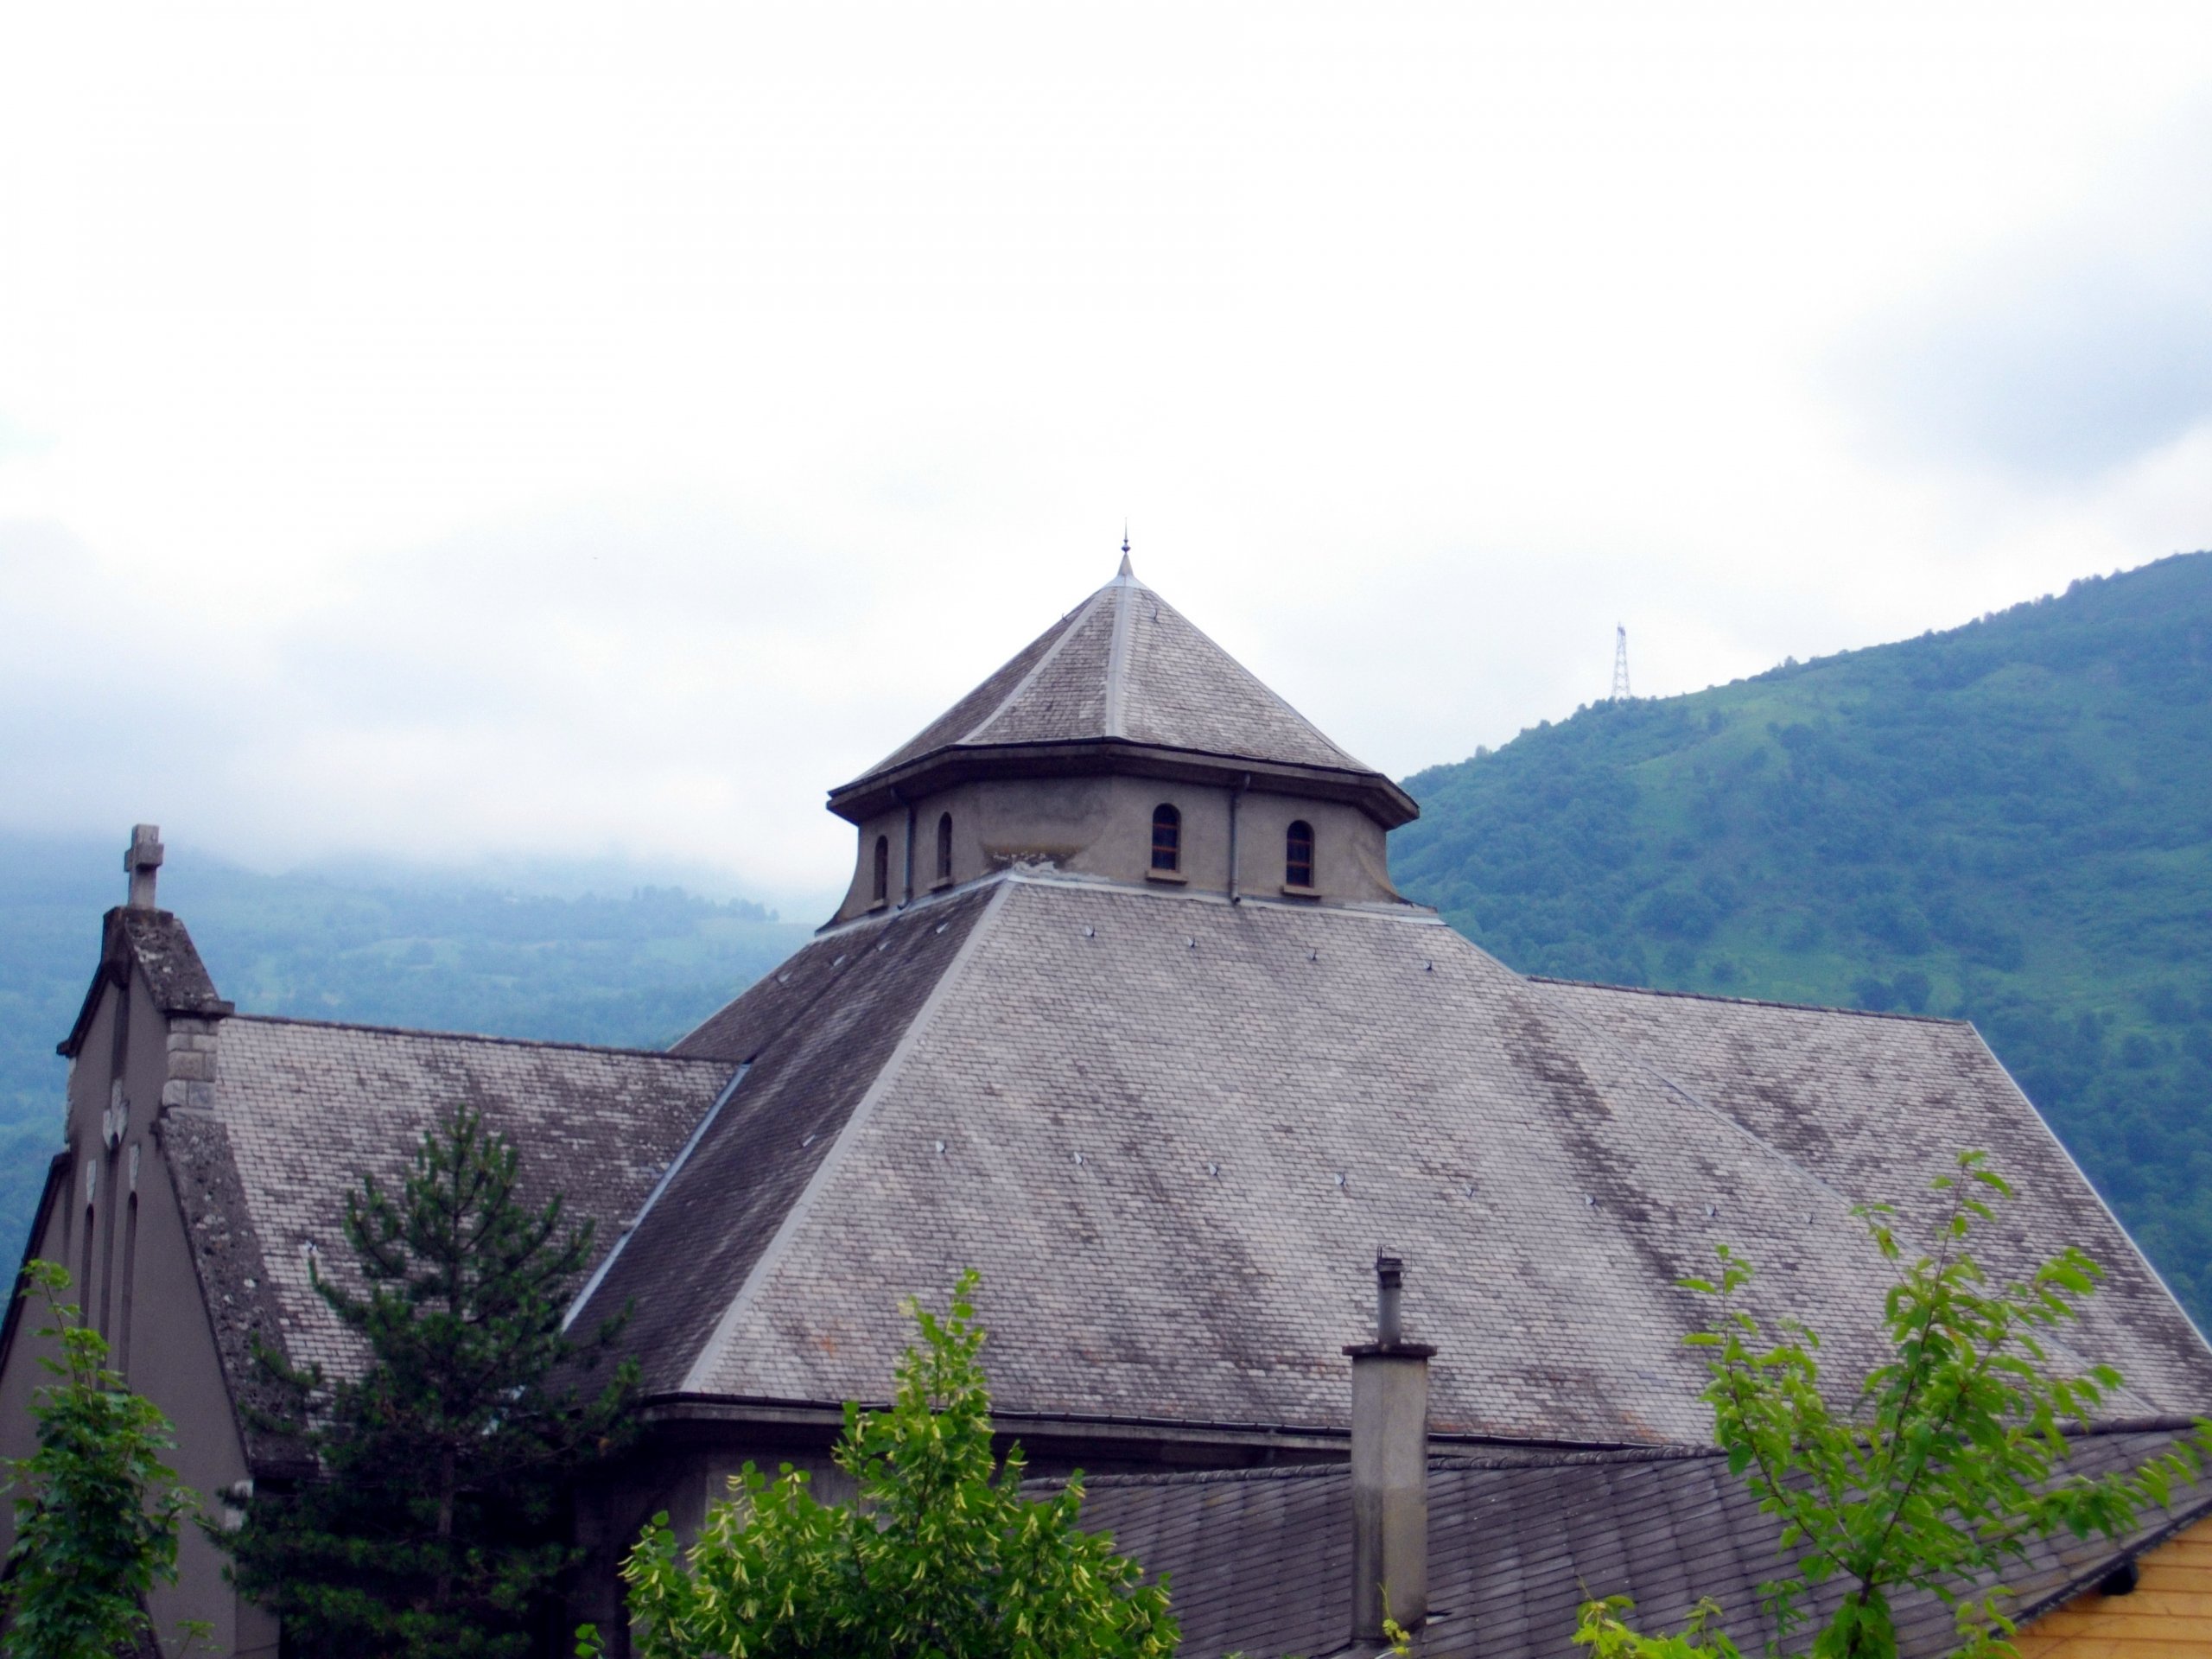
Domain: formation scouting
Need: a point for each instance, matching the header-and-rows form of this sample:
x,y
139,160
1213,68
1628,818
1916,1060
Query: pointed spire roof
x,y
1125,682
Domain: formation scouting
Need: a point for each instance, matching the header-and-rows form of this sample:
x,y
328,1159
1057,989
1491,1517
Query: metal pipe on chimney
x,y
1389,1467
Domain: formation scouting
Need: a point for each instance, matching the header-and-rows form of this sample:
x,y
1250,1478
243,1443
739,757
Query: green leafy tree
x,y
940,1558
98,1511
1935,1473
436,1524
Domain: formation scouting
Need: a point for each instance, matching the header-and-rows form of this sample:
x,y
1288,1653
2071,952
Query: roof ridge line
x,y
582,1298
1750,1001
1071,624
697,1377
465,1037
1117,654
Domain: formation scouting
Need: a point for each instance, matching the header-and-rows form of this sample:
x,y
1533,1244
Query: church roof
x,y
304,1109
1124,669
1259,1559
1171,1133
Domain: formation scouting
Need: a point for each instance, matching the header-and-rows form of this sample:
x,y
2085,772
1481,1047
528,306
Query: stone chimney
x,y
143,861
1389,1468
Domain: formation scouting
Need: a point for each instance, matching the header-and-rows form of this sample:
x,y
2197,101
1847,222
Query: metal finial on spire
x,y
1125,549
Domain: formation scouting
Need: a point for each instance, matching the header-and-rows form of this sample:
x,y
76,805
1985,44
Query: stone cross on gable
x,y
141,861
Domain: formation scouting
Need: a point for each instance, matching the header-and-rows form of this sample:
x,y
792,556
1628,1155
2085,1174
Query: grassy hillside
x,y
2010,822
636,971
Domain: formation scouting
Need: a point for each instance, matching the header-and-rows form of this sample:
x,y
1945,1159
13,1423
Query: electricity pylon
x,y
1620,665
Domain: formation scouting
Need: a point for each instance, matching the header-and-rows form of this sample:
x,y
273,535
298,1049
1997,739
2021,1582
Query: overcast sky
x,y
463,433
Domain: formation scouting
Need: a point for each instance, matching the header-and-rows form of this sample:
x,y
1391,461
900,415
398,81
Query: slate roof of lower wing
x,y
303,1109
1260,1561
1872,1102
1172,1134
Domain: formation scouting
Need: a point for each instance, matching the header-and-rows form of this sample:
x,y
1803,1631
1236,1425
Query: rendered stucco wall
x,y
155,1321
1101,826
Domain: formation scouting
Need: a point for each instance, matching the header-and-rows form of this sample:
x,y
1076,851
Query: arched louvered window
x,y
1166,838
880,891
944,848
1298,855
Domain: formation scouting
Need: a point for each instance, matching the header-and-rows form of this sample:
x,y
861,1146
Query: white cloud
x,y
2082,345
434,430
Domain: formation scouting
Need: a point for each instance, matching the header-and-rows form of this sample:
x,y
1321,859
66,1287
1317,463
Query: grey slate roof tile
x,y
1872,1102
1258,1561
302,1110
817,1032
1126,665
1085,1069
1173,1166
1181,690
979,705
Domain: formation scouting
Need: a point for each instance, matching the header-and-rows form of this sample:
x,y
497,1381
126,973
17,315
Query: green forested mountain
x,y
638,970
2011,821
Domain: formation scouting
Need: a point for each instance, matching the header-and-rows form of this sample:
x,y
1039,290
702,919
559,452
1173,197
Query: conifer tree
x,y
436,1523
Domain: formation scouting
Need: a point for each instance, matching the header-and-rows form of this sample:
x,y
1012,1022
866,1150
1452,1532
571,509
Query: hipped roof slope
x,y
1172,1132
304,1109
1126,668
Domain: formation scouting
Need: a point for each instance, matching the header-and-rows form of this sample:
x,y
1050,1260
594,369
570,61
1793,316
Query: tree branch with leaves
x,y
1936,1472
940,1555
98,1511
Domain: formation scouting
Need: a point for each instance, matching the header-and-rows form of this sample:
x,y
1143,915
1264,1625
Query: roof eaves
x,y
473,1037
704,1364
1384,800
109,972
57,1175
